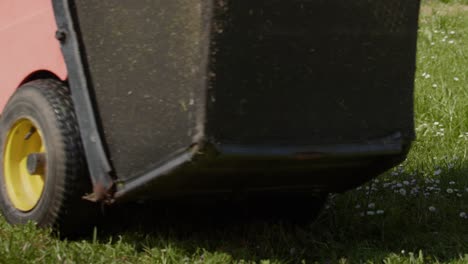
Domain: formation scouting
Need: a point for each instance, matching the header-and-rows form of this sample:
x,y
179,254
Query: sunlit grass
x,y
415,213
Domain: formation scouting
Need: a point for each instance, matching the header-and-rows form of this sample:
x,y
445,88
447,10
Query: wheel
x,y
42,169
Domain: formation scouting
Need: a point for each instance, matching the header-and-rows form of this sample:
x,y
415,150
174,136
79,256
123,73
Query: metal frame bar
x,y
98,163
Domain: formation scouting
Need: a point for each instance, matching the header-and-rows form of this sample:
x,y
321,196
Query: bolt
x,y
61,35
36,163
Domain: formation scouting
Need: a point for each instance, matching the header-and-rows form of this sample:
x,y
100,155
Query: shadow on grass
x,y
213,226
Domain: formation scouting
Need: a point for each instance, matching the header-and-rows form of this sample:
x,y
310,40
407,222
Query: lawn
x,y
416,213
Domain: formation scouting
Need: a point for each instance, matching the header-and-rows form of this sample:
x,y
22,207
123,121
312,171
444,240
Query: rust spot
x,y
101,194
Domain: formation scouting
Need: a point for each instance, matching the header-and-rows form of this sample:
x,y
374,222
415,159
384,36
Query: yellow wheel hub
x,y
23,187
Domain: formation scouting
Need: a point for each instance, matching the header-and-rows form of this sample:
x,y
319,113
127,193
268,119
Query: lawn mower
x,y
110,101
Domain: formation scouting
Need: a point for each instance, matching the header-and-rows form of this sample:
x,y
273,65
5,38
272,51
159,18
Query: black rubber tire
x,y
47,102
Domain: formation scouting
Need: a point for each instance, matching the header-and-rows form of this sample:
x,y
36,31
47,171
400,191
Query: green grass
x,y
413,214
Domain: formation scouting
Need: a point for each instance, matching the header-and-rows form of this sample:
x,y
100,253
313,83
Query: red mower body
x,y
27,44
